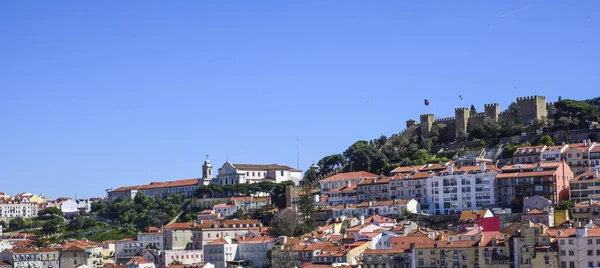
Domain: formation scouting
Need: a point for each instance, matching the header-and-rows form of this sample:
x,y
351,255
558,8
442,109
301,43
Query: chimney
x,y
450,169
589,142
348,183
483,166
362,220
584,142
595,173
539,163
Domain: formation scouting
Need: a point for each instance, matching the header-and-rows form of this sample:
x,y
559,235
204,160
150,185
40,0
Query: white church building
x,y
245,173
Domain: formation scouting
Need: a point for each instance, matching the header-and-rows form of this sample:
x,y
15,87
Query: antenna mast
x,y
297,153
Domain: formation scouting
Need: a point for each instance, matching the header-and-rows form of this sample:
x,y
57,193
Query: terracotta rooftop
x,y
261,167
351,175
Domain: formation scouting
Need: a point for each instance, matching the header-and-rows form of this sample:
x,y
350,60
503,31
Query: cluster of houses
x,y
27,205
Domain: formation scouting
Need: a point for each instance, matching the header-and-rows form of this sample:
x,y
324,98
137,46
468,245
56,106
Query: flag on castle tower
x,y
427,102
460,97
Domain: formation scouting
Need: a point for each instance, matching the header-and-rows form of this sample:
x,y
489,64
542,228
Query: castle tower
x,y
207,170
426,124
410,123
492,111
461,116
531,108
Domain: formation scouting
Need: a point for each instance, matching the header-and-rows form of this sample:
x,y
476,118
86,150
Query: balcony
x,y
418,186
418,195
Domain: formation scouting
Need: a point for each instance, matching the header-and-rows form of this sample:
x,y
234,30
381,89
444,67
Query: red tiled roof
x,y
588,175
407,169
351,175
345,188
534,211
74,248
138,260
526,174
261,167
375,181
379,219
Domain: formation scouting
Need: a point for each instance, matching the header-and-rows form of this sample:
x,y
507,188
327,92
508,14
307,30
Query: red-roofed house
x,y
139,262
344,179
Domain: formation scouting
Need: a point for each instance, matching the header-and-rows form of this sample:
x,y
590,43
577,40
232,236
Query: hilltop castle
x,y
528,109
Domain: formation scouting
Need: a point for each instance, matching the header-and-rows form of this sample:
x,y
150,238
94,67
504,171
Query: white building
x,y
84,205
12,208
69,207
579,247
243,173
243,251
225,210
153,238
462,188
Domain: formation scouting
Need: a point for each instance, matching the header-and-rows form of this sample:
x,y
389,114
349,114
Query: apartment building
x,y
373,189
22,257
194,235
586,211
549,180
12,208
346,194
528,154
462,188
344,179
585,186
553,153
411,186
535,245
153,238
580,156
579,247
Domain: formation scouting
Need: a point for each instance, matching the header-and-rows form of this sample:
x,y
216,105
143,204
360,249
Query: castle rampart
x,y
528,109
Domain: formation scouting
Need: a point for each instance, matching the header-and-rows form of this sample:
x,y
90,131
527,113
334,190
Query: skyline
x,y
115,94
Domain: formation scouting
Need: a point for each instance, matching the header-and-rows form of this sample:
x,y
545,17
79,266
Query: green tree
x,y
439,133
50,211
306,206
543,140
364,157
330,163
472,112
568,205
16,224
55,225
311,176
516,206
39,241
285,223
81,223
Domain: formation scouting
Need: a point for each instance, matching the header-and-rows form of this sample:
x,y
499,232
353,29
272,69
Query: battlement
x,y
509,112
536,97
491,105
461,109
426,115
445,119
550,104
477,115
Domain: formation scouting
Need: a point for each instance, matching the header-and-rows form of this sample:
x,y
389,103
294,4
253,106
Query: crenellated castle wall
x,y
527,110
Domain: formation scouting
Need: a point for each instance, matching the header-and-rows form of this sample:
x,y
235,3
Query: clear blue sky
x,y
101,94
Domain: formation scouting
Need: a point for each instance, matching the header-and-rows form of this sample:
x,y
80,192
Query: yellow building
x,y
536,245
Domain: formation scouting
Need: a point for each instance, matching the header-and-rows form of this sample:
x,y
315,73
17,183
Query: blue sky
x,y
96,95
